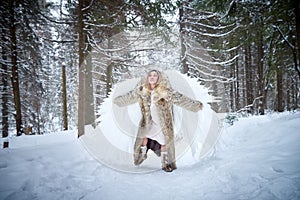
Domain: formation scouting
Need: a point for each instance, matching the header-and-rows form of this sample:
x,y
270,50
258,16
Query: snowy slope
x,y
256,158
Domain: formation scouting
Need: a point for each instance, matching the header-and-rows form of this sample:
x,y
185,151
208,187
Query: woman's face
x,y
153,78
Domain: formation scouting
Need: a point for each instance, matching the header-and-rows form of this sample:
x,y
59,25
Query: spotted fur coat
x,y
164,98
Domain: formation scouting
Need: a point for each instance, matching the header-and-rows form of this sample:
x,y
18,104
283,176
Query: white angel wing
x,y
195,133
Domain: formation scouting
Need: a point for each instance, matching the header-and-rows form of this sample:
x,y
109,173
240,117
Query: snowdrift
x,y
112,141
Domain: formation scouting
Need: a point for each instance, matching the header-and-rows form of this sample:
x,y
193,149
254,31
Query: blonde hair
x,y
158,79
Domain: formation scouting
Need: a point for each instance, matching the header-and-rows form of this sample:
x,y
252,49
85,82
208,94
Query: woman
x,y
156,130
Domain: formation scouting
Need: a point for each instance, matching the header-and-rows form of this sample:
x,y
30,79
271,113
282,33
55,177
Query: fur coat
x,y
164,98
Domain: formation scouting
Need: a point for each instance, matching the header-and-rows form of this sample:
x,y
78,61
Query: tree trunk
x,y
89,94
280,107
237,77
64,98
243,82
297,17
260,71
14,69
248,74
108,73
81,84
108,78
183,62
288,94
296,96
4,93
38,109
232,91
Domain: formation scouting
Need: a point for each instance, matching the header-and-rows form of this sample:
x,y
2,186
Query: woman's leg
x,y
144,148
142,152
145,141
165,159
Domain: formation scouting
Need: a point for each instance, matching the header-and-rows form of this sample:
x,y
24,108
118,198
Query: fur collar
x,y
161,91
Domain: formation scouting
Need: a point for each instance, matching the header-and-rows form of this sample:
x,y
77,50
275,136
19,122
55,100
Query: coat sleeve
x,y
186,102
127,99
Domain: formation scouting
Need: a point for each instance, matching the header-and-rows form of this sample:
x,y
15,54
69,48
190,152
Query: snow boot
x,y
165,162
142,155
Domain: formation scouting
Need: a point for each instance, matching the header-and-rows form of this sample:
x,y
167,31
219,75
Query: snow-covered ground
x,y
256,158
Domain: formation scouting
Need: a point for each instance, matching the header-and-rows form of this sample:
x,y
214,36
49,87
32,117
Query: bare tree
x,y
81,68
64,97
14,70
4,76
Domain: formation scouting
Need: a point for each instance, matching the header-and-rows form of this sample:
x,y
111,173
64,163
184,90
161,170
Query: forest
x,y
61,58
